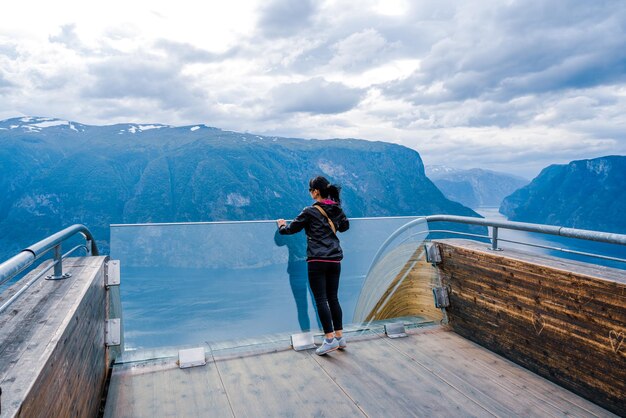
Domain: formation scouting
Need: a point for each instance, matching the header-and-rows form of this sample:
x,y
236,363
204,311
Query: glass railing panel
x,y
393,260
400,284
185,284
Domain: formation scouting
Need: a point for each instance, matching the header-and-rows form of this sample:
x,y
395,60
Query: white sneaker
x,y
342,342
327,347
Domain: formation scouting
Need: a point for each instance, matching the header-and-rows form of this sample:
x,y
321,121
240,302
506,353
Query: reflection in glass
x,y
298,276
186,284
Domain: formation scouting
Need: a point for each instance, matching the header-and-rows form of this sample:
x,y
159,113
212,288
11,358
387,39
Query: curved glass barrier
x,y
186,284
390,266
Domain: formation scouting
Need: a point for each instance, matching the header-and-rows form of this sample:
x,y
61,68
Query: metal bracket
x,y
395,330
302,341
442,299
433,255
112,275
61,277
191,357
112,332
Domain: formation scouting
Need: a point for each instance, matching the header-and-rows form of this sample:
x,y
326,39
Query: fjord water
x,y
611,250
186,284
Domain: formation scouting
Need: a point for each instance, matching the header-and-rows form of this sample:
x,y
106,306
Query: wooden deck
x,y
433,372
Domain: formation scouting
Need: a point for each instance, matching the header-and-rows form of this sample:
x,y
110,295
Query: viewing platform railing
x,y
24,259
495,225
189,266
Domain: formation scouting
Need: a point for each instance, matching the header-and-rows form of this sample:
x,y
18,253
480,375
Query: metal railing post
x,y
494,239
58,265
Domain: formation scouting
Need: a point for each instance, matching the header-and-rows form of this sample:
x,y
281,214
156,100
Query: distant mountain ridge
x,y
57,173
475,187
584,194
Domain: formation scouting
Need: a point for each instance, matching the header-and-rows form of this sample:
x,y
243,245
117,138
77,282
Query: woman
x,y
321,221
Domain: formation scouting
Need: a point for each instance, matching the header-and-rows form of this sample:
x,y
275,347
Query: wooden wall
x,y
565,321
55,360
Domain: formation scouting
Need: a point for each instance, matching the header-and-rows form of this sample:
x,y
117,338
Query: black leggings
x,y
324,281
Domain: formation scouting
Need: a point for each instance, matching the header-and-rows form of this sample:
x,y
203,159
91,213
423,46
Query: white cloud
x,y
391,7
514,85
361,49
316,96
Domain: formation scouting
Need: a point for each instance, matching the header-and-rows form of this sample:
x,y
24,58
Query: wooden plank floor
x,y
434,372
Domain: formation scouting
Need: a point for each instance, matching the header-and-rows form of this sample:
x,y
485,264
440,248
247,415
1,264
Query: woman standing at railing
x,y
321,222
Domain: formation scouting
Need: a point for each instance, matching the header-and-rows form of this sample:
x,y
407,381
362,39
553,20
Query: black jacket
x,y
322,243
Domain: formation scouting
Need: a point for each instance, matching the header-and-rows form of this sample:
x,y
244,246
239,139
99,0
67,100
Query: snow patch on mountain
x,y
33,124
439,170
48,124
142,128
148,127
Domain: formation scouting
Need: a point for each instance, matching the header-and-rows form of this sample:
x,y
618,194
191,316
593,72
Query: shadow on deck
x,y
433,372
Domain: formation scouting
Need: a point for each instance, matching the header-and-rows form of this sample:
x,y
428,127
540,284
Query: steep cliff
x,y
57,173
586,194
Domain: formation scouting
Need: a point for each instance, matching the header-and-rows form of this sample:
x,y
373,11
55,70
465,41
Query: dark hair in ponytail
x,y
326,189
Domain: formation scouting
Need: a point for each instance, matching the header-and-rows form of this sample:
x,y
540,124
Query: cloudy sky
x,y
506,85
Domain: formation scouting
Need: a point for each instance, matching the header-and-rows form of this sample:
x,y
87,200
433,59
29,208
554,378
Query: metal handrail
x,y
607,237
545,247
18,263
258,221
521,226
38,276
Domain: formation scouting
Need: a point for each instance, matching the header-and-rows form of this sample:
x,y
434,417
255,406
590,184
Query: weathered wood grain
x,y
499,379
433,372
385,382
283,384
53,358
564,320
564,289
450,358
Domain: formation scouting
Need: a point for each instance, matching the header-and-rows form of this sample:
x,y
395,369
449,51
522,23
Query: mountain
x,y
585,194
475,187
56,173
